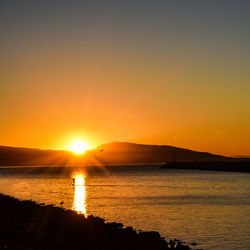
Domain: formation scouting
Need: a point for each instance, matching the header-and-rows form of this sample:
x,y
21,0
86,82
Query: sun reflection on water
x,y
79,204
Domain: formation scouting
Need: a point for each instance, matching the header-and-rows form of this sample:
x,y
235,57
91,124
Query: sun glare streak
x,y
79,204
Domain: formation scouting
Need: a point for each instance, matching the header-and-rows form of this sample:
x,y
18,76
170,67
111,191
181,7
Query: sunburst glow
x,y
78,147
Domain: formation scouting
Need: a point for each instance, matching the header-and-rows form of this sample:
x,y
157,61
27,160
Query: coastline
x,y
227,166
28,225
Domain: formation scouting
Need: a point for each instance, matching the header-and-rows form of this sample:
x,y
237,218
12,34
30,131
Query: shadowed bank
x,y
28,225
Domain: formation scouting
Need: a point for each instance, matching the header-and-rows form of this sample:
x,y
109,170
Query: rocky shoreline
x,y
227,166
28,225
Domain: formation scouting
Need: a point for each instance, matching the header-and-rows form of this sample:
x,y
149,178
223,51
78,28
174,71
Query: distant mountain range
x,y
111,153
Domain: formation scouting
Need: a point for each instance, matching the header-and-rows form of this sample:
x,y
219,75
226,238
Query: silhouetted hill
x,y
111,153
11,156
124,152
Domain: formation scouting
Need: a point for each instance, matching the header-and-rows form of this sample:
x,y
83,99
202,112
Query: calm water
x,y
209,208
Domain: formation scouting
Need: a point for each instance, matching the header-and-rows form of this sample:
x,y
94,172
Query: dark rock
x,y
28,225
171,244
151,234
182,247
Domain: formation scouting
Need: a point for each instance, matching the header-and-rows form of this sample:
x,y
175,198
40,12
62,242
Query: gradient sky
x,y
155,72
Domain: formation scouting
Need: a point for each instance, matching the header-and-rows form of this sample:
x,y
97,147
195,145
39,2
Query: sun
x,y
78,146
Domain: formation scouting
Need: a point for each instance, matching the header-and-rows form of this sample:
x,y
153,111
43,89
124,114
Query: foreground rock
x,y
28,225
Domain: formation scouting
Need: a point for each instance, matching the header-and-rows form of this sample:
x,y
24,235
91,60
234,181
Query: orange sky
x,y
152,78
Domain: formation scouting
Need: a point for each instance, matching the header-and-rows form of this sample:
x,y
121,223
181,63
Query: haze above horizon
x,y
161,72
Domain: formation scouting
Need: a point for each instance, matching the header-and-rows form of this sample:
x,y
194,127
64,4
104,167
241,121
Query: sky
x,y
153,72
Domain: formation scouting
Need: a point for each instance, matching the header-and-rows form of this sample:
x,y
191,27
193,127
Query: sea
x,y
208,208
